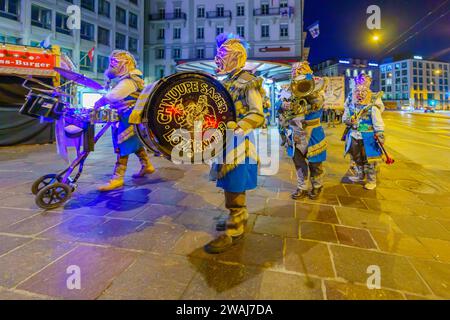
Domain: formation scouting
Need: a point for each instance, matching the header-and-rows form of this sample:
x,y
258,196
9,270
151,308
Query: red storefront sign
x,y
26,60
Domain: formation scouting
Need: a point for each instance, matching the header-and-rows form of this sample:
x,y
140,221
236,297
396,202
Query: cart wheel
x,y
43,182
53,196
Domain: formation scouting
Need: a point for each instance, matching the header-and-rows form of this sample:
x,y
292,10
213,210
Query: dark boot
x,y
299,194
119,172
146,165
315,193
222,243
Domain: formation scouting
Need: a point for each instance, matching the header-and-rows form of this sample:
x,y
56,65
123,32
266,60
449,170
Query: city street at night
x,y
145,241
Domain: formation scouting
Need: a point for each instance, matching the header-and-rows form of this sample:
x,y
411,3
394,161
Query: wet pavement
x,y
145,241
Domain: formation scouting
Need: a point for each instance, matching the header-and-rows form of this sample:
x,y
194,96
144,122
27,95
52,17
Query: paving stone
x,y
199,220
255,249
388,206
422,227
337,189
317,231
315,212
436,274
355,237
399,195
158,237
191,241
401,244
360,192
9,216
37,224
20,264
159,212
439,248
8,243
308,257
440,200
152,277
77,228
347,291
429,211
366,219
280,208
9,294
203,201
283,286
444,223
396,272
283,227
98,267
256,204
167,196
215,280
352,202
329,199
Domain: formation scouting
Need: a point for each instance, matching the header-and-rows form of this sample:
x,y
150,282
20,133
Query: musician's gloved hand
x,y
381,137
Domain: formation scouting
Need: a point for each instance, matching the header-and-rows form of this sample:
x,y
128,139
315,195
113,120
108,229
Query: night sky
x,y
343,31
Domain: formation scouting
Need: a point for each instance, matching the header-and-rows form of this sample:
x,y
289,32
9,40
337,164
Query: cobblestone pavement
x,y
145,241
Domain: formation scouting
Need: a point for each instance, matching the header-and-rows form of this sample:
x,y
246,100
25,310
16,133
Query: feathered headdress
x,y
224,37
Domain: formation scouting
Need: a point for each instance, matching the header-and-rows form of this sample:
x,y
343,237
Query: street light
x,y
376,38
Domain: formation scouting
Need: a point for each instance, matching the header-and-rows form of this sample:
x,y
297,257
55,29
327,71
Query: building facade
x,y
416,82
349,68
105,25
185,30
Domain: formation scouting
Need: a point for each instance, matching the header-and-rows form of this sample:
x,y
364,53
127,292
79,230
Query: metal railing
x,y
168,16
273,11
218,14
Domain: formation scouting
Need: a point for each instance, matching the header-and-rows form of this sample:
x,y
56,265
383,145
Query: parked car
x,y
429,110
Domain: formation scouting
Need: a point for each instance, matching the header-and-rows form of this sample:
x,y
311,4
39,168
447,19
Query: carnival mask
x,y
231,56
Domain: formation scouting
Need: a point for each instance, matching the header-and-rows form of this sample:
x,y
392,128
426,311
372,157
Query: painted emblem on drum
x,y
181,106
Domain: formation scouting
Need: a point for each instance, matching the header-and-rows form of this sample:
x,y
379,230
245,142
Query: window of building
x,y
159,72
240,10
397,66
10,9
61,24
104,8
160,53
200,53
240,30
220,12
264,8
102,63
177,33
133,20
284,30
121,41
103,36
200,32
415,64
177,12
135,2
162,13
348,73
88,4
121,15
219,30
370,73
133,45
404,72
200,11
265,31
283,3
355,73
41,17
404,80
404,65
176,53
87,31
86,63
161,33
67,52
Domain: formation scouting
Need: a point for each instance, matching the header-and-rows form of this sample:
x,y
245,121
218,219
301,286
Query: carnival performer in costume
x,y
239,175
365,124
305,113
123,96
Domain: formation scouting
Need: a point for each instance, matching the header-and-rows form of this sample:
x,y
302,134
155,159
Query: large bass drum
x,y
185,116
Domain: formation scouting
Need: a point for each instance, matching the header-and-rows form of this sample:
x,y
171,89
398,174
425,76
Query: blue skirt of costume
x,y
242,173
317,145
372,150
125,140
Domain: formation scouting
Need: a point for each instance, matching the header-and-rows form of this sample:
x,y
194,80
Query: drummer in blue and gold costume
x,y
306,108
240,174
122,97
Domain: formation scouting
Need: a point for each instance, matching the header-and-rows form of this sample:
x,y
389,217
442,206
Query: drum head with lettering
x,y
185,114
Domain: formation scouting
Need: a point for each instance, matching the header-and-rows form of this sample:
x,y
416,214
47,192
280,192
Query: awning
x,y
276,70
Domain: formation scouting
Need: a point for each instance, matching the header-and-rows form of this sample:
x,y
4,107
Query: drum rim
x,y
161,82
